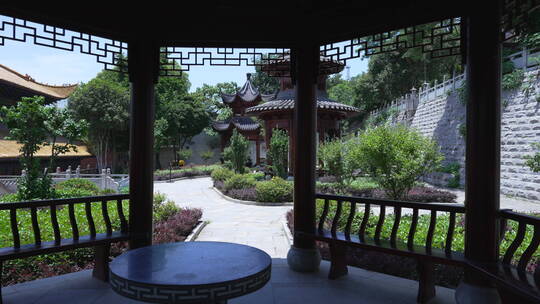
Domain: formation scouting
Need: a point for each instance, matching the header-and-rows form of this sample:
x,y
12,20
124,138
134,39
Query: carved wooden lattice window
x,y
181,59
438,39
110,53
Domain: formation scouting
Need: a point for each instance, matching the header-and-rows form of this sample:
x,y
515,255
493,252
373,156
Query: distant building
x,y
14,86
247,96
278,112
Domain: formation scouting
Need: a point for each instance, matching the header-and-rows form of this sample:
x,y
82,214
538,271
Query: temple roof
x,y
281,66
11,149
285,101
248,93
15,85
242,123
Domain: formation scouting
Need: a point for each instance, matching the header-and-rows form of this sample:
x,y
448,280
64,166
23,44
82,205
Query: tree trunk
x,y
158,163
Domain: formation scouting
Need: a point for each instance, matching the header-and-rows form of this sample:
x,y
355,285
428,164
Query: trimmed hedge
x,y
221,174
239,181
274,190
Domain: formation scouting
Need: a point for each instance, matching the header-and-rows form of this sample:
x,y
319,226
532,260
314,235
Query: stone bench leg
x,y
338,265
101,264
426,281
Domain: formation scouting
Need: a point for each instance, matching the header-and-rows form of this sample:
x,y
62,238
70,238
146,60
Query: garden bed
x,y
250,202
363,188
252,186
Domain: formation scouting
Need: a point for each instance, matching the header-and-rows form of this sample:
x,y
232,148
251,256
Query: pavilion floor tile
x,y
285,286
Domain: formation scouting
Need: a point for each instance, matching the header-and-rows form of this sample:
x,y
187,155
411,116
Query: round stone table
x,y
190,272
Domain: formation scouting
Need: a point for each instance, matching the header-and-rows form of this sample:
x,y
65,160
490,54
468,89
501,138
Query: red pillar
x,y
258,150
483,149
143,65
303,255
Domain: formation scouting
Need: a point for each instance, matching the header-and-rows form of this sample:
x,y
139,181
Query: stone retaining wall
x,y
440,114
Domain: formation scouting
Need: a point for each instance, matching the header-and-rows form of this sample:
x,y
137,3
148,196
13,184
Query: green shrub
x,y
362,184
463,94
221,174
462,129
107,192
78,183
239,181
9,198
274,190
74,192
207,155
236,153
331,155
184,154
395,156
163,208
513,80
454,169
258,176
278,153
533,162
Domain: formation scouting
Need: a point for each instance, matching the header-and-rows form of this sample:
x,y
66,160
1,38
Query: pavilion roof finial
x,y
248,76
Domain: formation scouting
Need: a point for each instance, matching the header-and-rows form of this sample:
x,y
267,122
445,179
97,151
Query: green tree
x,y
237,152
343,92
104,104
279,153
185,118
59,124
395,156
161,139
26,123
265,83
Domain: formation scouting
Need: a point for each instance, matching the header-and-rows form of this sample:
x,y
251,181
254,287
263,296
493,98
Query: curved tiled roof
x,y
285,101
281,66
248,93
26,82
11,149
242,123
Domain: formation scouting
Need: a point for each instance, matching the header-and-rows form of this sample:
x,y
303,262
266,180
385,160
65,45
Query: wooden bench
x,y
513,281
426,256
100,241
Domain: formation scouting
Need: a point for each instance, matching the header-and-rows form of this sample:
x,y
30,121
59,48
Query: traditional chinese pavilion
x,y
343,30
278,113
247,96
14,86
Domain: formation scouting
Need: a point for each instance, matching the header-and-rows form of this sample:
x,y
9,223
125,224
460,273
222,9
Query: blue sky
x,y
58,67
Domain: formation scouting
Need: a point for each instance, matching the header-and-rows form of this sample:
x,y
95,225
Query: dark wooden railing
x,y
524,222
59,239
370,205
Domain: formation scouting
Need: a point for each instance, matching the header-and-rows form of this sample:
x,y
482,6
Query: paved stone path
x,y
516,204
257,226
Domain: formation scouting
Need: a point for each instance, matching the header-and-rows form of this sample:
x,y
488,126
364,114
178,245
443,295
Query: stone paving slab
x,y
257,226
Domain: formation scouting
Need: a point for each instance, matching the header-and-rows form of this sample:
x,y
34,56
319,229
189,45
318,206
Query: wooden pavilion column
x,y
303,255
258,149
143,62
483,150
